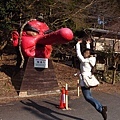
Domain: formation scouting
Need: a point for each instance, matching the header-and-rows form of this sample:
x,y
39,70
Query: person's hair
x,y
87,49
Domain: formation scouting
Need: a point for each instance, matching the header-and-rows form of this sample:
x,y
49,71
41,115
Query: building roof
x,y
104,33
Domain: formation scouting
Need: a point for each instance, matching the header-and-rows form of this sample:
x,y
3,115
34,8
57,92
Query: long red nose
x,y
60,36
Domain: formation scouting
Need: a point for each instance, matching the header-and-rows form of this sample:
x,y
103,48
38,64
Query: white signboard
x,y
99,46
40,62
100,66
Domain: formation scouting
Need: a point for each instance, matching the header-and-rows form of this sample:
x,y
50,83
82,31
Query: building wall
x,y
102,44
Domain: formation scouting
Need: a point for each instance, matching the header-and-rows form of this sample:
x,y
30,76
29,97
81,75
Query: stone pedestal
x,y
36,80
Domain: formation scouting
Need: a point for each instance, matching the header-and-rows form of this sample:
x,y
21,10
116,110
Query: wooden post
x,y
113,63
66,96
78,87
114,74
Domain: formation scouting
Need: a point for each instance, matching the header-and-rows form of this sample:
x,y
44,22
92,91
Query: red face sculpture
x,y
37,39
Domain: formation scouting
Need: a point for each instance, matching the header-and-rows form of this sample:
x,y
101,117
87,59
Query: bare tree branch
x,y
30,6
70,16
80,10
3,45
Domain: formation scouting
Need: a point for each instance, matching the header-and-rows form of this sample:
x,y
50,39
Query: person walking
x,y
86,62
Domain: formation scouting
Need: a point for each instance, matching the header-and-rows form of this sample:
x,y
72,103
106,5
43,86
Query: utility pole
x,y
103,23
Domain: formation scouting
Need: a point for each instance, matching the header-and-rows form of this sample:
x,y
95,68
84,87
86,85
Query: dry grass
x,y
64,74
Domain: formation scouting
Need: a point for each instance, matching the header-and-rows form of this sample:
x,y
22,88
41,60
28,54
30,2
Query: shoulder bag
x,y
90,81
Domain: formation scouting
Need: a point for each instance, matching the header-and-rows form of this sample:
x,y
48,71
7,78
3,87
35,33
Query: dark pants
x,y
88,97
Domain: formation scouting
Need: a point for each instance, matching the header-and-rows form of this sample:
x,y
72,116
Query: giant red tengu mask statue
x,y
36,39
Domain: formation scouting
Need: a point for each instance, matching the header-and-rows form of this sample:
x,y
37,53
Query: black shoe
x,y
104,112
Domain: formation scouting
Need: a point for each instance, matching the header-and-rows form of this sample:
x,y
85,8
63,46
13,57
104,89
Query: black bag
x,y
93,70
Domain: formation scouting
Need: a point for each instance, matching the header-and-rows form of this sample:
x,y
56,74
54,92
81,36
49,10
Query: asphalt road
x,y
46,108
